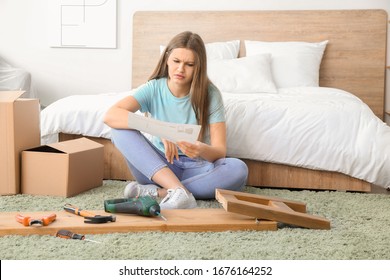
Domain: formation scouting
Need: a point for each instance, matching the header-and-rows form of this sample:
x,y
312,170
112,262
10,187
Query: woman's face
x,y
181,63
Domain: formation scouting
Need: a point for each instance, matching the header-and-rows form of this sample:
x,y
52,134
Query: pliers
x,y
29,221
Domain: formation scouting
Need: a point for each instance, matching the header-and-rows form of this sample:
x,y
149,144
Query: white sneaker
x,y
178,199
133,189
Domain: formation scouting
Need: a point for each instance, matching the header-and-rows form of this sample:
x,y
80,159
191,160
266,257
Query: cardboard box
x,y
63,169
19,130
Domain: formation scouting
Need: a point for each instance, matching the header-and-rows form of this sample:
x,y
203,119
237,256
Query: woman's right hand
x,y
171,151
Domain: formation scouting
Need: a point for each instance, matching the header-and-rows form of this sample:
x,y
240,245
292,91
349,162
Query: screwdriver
x,y
67,234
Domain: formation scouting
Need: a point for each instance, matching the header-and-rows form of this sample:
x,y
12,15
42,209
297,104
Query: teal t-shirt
x,y
155,98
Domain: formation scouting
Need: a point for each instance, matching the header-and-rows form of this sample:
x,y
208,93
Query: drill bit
x,y
90,240
161,216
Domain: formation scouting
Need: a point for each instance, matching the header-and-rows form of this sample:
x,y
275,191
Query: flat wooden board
x,y
178,220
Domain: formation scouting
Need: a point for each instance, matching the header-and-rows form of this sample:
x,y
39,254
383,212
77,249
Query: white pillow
x,y
219,50
294,64
243,75
223,50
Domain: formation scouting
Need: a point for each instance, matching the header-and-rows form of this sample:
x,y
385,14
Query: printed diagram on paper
x,y
170,131
82,23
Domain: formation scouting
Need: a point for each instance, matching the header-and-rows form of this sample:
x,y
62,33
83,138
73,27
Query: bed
x,y
349,95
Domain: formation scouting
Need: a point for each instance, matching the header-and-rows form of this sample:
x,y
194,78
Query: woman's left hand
x,y
171,151
189,149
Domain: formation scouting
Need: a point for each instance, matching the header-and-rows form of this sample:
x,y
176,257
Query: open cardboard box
x,y
19,130
63,169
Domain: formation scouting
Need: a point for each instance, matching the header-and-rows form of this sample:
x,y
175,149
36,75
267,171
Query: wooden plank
x,y
224,196
178,220
280,205
235,204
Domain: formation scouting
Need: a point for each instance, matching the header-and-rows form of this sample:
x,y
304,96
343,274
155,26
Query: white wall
x,y
59,72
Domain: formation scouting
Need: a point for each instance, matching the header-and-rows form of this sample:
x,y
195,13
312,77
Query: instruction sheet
x,y
173,132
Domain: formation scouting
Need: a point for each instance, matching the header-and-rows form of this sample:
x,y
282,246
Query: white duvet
x,y
313,127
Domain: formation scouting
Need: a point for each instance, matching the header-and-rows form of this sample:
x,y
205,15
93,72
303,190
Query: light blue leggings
x,y
200,177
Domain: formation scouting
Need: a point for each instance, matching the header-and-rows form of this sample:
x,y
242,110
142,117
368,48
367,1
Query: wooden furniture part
x,y
270,208
354,60
178,220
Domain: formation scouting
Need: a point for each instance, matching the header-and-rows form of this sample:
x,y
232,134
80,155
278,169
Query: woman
x,y
178,91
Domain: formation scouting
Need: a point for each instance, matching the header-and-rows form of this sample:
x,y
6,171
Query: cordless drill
x,y
143,206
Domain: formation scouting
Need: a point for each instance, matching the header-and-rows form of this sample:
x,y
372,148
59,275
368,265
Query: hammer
x,y
89,218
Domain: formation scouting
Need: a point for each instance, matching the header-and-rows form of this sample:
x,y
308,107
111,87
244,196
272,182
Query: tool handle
x,y
28,221
49,219
75,210
24,220
143,206
67,234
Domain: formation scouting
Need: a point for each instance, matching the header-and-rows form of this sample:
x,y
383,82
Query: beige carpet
x,y
360,230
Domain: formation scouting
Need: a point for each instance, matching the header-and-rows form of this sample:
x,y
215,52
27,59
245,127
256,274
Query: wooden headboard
x,y
354,60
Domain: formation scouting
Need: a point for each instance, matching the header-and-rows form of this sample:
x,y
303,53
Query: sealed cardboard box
x,y
19,130
63,169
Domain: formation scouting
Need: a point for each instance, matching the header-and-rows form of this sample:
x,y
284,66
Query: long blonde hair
x,y
200,82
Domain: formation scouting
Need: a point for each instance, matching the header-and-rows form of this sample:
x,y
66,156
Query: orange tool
x,y
29,221
67,234
89,218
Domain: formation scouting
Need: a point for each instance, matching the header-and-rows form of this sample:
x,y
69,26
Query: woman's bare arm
x,y
117,115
